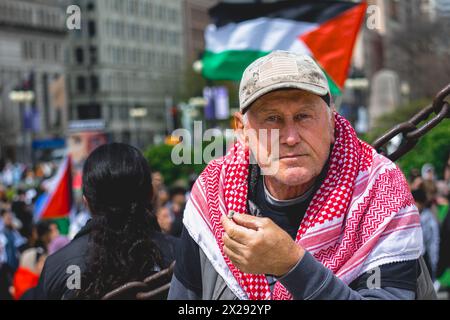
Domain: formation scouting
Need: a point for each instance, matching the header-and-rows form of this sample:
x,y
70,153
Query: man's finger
x,y
237,232
233,245
233,256
248,221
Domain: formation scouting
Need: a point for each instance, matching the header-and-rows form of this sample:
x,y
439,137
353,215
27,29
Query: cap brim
x,y
320,91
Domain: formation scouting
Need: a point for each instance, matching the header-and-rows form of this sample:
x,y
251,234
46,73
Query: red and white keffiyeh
x,y
361,217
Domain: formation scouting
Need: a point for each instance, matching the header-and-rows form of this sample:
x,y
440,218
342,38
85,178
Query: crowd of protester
x,y
432,197
25,244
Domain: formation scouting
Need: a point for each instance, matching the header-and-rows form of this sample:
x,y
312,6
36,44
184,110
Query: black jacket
x,y
60,266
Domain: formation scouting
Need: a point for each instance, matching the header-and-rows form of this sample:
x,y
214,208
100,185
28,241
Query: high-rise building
x,y
196,19
125,65
32,37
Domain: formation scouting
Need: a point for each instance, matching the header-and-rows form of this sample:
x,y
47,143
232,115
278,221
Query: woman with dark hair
x,y
122,242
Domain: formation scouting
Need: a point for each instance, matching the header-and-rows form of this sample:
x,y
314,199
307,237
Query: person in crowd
x,y
157,180
11,240
23,212
429,183
443,191
45,234
57,240
165,220
444,247
161,196
122,242
27,275
176,208
430,231
415,179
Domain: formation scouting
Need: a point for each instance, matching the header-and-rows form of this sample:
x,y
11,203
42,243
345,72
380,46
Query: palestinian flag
x,y
243,32
56,202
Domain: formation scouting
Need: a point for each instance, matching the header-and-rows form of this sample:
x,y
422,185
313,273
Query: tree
x,y
160,159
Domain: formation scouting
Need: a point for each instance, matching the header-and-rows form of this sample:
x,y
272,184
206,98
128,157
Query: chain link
x,y
410,131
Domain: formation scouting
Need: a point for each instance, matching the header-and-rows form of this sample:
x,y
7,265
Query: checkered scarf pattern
x,y
224,187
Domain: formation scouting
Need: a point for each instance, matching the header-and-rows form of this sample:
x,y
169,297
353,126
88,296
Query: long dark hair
x,y
117,186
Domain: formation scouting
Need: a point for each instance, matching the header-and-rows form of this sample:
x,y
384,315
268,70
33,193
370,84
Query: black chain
x,y
409,130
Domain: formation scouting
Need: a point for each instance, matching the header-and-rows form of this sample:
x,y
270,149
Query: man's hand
x,y
258,246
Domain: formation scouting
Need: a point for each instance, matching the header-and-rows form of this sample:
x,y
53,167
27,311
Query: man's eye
x,y
303,116
273,118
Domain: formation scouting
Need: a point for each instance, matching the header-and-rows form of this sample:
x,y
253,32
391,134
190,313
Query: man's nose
x,y
291,135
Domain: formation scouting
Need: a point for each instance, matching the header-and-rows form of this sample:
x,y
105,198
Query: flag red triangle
x,y
332,42
59,202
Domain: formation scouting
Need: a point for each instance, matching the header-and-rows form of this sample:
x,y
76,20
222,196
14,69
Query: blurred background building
x,y
196,19
125,65
32,93
402,54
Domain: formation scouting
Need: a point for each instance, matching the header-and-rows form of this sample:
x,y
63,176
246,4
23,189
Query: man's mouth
x,y
292,156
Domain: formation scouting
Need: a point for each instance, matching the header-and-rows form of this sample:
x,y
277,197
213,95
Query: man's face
x,y
54,231
164,219
157,180
8,219
179,199
306,131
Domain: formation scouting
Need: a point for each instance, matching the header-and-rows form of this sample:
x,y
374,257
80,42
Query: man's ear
x,y
239,127
332,122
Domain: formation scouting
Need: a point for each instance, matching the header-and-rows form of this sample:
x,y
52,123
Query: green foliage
x,y
432,148
159,158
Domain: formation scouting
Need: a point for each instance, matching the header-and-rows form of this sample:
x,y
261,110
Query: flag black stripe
x,y
316,11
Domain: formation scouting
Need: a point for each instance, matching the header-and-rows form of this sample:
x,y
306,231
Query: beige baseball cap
x,y
281,70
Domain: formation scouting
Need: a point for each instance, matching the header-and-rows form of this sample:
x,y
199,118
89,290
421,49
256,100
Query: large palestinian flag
x,y
243,32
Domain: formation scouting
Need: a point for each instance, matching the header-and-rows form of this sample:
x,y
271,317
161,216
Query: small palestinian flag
x,y
56,202
243,32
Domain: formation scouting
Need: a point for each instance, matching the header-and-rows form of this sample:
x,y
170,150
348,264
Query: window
x,y
150,10
81,84
26,49
91,28
79,55
56,52
124,112
94,84
111,112
89,111
90,6
93,55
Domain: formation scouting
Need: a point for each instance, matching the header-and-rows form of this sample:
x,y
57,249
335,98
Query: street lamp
x,y
138,113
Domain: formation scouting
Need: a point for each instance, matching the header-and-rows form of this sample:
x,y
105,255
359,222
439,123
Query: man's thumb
x,y
247,220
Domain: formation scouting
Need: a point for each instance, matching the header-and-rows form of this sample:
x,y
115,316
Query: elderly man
x,y
335,220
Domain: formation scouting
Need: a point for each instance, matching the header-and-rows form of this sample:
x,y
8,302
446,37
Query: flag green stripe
x,y
228,65
62,223
334,89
